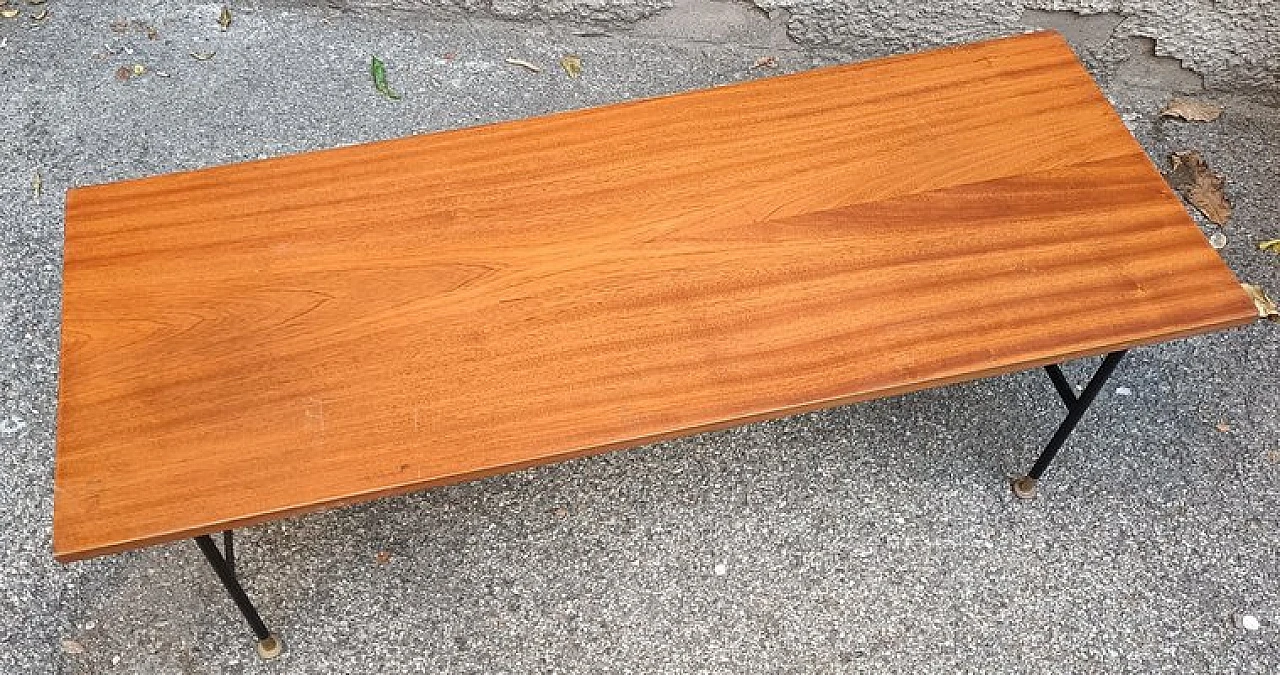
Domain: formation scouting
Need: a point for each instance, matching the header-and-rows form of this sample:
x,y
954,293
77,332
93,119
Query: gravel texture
x,y
880,537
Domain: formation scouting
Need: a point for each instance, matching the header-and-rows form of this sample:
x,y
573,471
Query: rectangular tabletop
x,y
251,341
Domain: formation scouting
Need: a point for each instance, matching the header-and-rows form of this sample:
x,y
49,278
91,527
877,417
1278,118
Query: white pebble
x,y
721,569
1250,622
11,425
1124,391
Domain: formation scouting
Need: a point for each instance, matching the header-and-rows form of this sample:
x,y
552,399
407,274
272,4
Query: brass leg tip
x,y
269,647
1024,487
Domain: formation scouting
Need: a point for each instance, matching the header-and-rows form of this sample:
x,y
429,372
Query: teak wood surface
x,y
252,341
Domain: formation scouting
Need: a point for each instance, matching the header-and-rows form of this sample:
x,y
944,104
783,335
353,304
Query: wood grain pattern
x,y
251,341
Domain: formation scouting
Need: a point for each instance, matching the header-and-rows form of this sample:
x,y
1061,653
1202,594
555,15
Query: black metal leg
x,y
268,645
1060,383
229,549
1025,487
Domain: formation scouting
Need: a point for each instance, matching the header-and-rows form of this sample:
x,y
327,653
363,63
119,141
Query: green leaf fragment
x,y
379,72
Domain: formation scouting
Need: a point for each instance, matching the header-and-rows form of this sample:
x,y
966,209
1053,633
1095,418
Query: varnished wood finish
x,y
251,341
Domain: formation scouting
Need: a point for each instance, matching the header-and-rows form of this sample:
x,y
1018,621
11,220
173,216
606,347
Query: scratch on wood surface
x,y
314,412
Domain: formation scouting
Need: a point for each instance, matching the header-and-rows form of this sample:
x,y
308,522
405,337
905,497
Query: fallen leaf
x,y
224,18
72,647
8,13
524,64
765,62
1223,427
572,65
41,15
383,557
1272,245
123,73
152,33
37,185
1265,305
202,56
1218,240
138,69
1202,187
1192,110
379,72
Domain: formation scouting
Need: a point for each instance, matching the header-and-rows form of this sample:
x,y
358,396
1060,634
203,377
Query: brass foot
x,y
1024,487
269,647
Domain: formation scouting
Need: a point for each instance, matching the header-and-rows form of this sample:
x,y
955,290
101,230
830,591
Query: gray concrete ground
x,y
879,537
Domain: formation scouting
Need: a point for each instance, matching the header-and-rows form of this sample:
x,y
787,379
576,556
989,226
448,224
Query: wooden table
x,y
250,342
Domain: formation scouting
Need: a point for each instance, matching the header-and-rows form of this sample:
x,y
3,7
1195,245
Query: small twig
x,y
524,64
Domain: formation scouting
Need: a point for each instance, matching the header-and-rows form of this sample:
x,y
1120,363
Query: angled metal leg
x,y
267,644
1025,486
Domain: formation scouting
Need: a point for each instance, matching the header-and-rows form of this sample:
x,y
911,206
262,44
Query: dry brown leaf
x,y
524,64
1223,427
1202,187
1265,305
572,65
765,62
382,557
1272,245
8,13
224,18
1192,110
123,73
